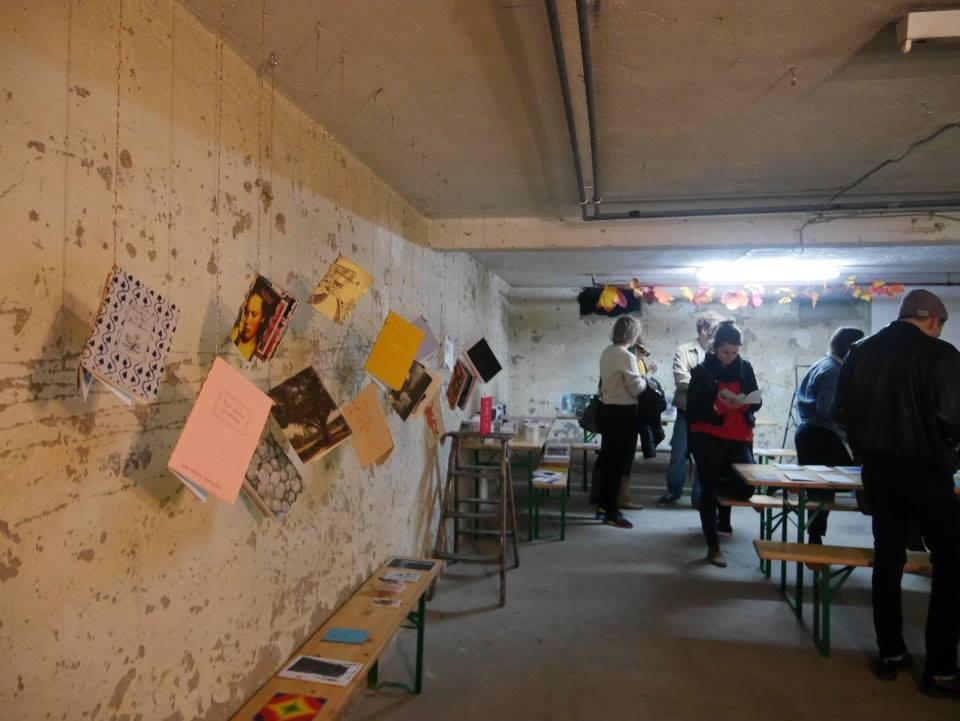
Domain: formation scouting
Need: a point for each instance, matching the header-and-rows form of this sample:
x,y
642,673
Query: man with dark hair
x,y
898,397
687,357
819,440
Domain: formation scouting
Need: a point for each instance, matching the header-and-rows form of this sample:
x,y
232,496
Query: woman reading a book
x,y
721,403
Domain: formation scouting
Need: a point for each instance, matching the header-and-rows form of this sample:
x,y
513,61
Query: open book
x,y
749,399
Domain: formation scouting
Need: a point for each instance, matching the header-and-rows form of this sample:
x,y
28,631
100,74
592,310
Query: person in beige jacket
x,y
687,357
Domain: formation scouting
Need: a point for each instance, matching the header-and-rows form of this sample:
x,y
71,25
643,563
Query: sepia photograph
x,y
308,416
405,401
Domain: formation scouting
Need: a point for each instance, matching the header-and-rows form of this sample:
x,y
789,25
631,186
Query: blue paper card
x,y
346,635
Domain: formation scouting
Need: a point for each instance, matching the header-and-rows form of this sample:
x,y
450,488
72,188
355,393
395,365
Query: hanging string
x,y
116,145
270,163
66,155
218,124
173,77
263,37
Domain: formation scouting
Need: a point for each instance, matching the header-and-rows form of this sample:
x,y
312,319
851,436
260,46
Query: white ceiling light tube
x,y
768,270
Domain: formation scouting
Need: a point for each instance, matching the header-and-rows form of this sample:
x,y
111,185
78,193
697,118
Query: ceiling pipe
x,y
567,102
934,204
583,28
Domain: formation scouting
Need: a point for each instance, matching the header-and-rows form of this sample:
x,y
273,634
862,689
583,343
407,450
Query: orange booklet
x,y
394,351
221,434
371,439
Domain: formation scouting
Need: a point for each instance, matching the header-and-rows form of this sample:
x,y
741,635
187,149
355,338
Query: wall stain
x,y
121,688
37,145
7,533
126,160
212,264
34,216
244,222
131,250
106,174
281,221
266,194
82,92
86,555
9,567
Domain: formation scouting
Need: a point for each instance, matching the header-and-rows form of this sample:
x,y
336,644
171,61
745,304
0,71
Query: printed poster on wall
x,y
371,439
340,290
393,351
308,415
262,319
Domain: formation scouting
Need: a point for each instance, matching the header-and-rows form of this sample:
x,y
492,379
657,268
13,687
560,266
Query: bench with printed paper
x,y
750,399
544,476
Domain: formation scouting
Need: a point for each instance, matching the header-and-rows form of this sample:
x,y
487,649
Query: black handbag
x,y
590,418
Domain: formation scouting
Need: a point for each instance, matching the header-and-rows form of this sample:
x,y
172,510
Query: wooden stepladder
x,y
487,511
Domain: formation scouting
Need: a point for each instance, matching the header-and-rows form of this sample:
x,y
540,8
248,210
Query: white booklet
x,y
800,476
835,478
787,466
751,398
321,670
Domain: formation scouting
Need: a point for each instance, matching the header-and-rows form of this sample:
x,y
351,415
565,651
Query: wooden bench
x,y
831,566
540,490
381,623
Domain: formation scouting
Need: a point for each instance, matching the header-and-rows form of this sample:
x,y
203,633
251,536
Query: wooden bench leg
x,y
563,514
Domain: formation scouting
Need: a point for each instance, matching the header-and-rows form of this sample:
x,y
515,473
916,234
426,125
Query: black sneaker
x,y
667,500
886,668
941,686
617,521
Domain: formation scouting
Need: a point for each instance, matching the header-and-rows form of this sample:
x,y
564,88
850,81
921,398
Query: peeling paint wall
x,y
121,596
554,351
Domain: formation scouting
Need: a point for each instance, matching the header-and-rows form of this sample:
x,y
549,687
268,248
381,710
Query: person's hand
x,y
651,366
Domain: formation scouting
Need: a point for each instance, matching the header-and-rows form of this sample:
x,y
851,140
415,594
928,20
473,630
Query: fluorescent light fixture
x,y
767,270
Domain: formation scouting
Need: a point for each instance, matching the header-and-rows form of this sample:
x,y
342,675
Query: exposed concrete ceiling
x,y
677,267
456,103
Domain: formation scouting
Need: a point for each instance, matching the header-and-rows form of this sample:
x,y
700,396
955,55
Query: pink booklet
x,y
221,434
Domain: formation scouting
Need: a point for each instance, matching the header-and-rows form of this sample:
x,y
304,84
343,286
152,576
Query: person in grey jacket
x,y
687,357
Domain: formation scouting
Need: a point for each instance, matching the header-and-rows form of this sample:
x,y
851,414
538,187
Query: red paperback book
x,y
486,414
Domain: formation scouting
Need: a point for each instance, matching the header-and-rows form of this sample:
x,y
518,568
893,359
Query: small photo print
x,y
402,576
406,400
308,416
262,319
273,480
457,380
340,289
321,670
385,602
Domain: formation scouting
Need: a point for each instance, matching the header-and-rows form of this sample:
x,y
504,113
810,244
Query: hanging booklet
x,y
221,434
274,479
308,415
370,433
262,319
131,338
393,351
429,344
483,360
340,289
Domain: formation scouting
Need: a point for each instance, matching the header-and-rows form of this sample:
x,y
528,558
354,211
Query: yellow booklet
x,y
394,351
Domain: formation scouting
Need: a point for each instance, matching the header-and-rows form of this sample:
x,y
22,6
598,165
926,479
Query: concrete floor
x,y
615,624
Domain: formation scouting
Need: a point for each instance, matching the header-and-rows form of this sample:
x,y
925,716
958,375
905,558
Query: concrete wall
x,y
554,351
121,596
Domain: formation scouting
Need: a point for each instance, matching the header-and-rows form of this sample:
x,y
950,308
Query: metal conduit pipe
x,y
949,202
567,102
583,28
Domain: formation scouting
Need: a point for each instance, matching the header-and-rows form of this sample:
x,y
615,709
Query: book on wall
x,y
433,390
131,338
486,414
483,360
429,344
274,479
449,353
340,289
308,415
290,707
412,392
433,419
458,379
262,319
371,437
469,386
393,351
221,434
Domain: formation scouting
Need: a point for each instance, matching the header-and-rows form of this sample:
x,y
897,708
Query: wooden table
x,y
520,443
764,475
380,623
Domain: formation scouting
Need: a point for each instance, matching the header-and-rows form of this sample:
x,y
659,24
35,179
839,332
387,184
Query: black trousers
x,y
818,446
903,493
618,444
714,458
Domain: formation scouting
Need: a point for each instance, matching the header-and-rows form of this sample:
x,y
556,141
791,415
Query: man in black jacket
x,y
898,397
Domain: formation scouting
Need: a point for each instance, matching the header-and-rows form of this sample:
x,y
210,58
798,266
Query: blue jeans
x,y
679,452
